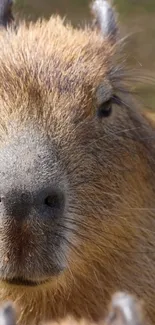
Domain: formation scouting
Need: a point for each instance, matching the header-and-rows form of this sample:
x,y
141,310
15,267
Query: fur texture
x,y
50,76
124,309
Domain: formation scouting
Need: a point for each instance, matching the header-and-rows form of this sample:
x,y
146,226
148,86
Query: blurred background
x,y
137,18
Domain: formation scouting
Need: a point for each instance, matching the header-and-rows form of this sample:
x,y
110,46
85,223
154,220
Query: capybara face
x,y
76,170
57,120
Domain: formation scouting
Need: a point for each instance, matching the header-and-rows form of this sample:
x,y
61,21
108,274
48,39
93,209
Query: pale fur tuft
x,y
105,18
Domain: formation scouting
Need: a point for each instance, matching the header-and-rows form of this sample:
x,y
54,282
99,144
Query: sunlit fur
x,y
49,75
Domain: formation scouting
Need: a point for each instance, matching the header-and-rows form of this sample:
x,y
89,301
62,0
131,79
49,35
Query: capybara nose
x,y
20,204
16,204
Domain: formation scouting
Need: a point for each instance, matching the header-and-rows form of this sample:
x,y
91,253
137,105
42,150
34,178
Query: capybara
x,y
77,170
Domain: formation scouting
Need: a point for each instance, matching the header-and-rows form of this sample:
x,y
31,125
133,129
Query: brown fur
x,y
49,73
123,309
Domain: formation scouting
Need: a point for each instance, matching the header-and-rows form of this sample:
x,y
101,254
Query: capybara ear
x,y
105,19
6,16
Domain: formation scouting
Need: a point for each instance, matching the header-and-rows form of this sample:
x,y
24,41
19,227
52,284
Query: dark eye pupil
x,y
105,109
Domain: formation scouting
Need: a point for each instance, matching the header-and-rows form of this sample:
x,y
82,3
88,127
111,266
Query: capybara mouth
x,y
23,282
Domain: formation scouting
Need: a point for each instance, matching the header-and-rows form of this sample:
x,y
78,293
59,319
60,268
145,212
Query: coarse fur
x,y
123,309
53,81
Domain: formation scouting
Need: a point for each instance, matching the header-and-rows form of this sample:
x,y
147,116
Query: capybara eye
x,y
105,109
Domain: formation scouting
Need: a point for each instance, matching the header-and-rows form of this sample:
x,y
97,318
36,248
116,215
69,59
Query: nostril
x,y
54,201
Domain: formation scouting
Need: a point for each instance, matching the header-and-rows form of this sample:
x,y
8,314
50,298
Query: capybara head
x,y
76,169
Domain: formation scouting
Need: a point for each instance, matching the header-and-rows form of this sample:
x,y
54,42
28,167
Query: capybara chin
x,y
77,171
